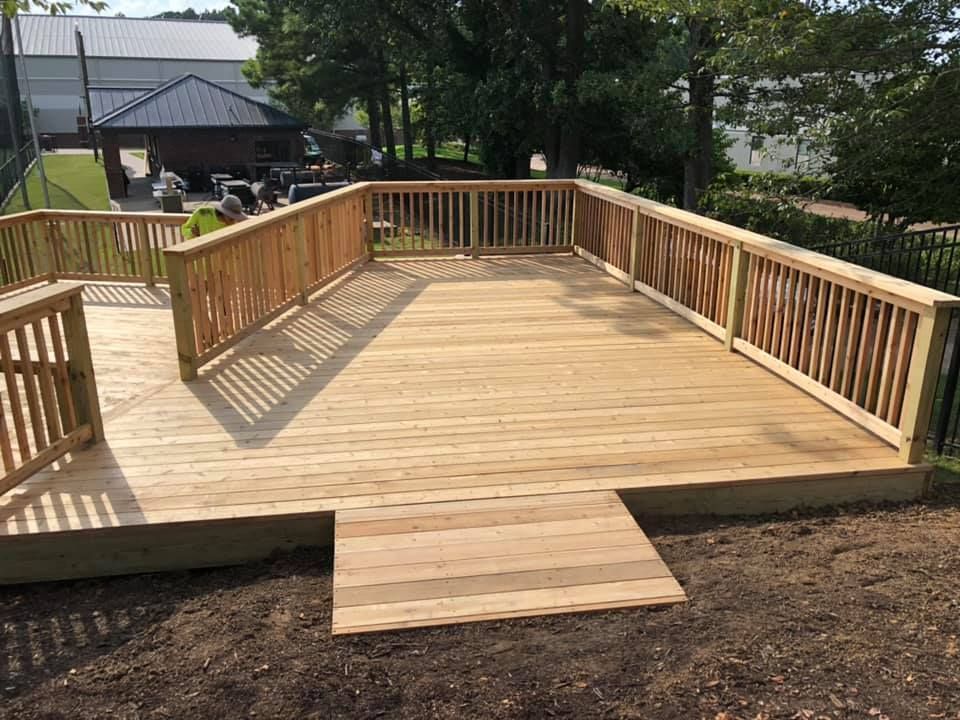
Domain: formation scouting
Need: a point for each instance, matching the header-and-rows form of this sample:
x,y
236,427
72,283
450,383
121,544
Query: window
x,y
756,150
272,150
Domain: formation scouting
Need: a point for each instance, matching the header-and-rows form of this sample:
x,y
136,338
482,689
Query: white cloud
x,y
148,8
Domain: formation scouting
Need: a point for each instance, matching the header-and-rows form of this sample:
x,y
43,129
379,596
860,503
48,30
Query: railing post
x,y
146,262
183,321
368,222
737,294
56,261
300,241
922,379
573,216
475,223
83,383
636,243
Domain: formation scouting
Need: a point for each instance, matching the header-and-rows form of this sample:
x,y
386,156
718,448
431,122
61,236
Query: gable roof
x,y
104,100
190,101
118,37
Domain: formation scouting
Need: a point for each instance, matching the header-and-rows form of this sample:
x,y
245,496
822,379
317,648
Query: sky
x,y
147,8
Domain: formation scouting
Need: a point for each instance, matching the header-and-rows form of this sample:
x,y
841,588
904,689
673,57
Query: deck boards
x,y
440,563
430,381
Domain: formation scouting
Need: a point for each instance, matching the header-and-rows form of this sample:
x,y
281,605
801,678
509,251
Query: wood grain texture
x,y
411,382
491,569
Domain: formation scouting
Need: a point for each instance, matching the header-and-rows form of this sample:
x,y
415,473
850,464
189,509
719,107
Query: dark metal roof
x,y
119,37
104,100
192,102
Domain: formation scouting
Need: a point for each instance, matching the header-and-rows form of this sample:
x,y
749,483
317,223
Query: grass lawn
x,y
137,154
75,182
446,151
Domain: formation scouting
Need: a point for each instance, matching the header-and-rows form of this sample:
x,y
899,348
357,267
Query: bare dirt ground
x,y
831,615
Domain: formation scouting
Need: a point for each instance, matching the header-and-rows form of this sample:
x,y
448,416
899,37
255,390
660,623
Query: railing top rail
x,y
211,240
869,281
157,217
19,309
468,185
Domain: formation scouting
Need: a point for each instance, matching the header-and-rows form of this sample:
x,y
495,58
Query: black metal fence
x,y
931,258
9,177
365,162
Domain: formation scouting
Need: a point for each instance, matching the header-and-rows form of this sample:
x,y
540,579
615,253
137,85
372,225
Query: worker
x,y
208,218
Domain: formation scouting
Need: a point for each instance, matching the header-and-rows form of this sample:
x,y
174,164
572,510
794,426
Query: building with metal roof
x,y
194,127
127,54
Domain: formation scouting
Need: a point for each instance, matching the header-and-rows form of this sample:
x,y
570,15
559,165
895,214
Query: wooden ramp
x,y
452,562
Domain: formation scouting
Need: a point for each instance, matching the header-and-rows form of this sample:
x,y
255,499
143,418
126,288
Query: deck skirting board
x,y
157,548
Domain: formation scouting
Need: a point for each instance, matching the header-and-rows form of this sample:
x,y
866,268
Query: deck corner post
x,y
183,320
300,242
143,246
83,383
922,380
737,294
475,223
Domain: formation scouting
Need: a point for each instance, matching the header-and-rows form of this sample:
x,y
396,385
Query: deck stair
x,y
453,562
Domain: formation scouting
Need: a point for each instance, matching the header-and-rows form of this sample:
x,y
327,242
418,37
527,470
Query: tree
x,y
875,88
54,7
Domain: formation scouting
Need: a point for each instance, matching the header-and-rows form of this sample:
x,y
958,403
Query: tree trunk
x,y
570,135
430,140
698,165
373,115
389,138
405,117
466,148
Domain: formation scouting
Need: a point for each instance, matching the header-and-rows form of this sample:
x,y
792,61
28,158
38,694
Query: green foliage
x,y
874,86
783,218
191,14
54,7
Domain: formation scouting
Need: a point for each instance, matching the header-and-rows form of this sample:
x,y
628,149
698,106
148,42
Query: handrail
x,y
49,245
867,344
903,290
226,284
50,389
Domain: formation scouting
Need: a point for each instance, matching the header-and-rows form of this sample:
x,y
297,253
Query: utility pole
x,y
81,53
33,123
12,93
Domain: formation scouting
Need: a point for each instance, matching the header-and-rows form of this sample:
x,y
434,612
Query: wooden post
x,y
300,240
737,294
474,223
83,383
573,218
146,261
636,243
55,252
922,379
183,321
368,222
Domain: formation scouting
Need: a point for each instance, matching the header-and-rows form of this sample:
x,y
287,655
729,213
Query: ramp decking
x,y
440,563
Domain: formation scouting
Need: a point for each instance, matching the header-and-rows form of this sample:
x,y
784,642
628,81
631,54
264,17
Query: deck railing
x,y
50,403
866,344
227,284
472,218
79,245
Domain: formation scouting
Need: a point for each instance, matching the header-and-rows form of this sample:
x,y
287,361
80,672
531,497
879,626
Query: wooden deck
x,y
412,382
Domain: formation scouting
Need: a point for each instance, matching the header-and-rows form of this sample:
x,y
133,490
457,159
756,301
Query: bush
x,y
782,218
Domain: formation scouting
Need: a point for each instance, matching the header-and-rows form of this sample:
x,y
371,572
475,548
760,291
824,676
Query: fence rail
x,y
50,403
78,245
